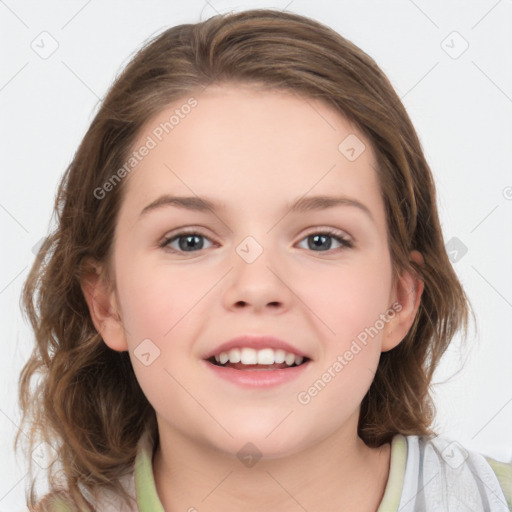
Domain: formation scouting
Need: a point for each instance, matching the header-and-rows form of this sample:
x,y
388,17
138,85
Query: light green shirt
x,y
407,469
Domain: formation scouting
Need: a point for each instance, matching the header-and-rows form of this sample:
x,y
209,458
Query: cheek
x,y
155,297
146,309
350,304
350,299
159,322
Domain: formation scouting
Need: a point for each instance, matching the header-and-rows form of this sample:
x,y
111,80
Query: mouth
x,y
250,359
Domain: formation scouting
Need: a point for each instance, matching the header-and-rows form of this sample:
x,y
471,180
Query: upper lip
x,y
257,342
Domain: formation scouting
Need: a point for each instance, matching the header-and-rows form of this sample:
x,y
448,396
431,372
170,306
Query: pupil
x,y
317,238
189,242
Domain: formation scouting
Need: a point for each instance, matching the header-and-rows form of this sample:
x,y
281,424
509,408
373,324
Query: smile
x,y
249,373
246,358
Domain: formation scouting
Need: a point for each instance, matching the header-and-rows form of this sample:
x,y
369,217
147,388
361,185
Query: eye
x,y
323,240
187,241
192,241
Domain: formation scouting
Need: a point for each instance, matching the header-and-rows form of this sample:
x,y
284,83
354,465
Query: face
x,y
318,278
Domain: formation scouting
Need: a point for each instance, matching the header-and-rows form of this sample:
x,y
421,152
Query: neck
x,y
339,473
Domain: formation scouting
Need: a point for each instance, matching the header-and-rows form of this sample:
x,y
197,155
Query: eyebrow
x,y
300,205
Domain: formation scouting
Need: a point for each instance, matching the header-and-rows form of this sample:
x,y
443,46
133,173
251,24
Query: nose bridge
x,y
254,280
251,249
257,241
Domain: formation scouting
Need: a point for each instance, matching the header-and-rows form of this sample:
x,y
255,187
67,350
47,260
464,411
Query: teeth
x,y
234,355
264,356
289,359
248,356
279,356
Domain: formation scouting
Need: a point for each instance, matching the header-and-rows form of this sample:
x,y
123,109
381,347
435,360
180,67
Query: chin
x,y
251,450
270,438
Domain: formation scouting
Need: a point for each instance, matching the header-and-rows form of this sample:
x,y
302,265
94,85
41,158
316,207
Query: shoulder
x,y
503,471
103,501
441,474
54,502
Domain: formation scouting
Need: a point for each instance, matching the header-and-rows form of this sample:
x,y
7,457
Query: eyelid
x,y
330,231
181,231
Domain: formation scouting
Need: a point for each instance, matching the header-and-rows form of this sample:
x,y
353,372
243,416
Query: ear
x,y
103,307
407,295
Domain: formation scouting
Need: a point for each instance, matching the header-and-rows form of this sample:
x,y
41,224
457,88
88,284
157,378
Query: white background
x,y
461,107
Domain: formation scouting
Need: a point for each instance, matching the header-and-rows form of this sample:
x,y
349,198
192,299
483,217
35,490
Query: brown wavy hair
x,y
87,402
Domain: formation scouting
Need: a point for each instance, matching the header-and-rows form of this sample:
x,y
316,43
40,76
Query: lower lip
x,y
257,378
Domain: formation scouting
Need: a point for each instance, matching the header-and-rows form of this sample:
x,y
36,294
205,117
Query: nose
x,y
258,284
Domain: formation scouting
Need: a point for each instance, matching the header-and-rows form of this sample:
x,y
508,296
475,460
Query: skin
x,y
256,151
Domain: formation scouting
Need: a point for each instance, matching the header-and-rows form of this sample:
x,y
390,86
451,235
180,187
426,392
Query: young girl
x,y
247,292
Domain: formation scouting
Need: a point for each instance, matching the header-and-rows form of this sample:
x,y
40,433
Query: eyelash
x,y
345,242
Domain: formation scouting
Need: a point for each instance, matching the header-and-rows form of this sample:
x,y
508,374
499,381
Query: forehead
x,y
240,145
